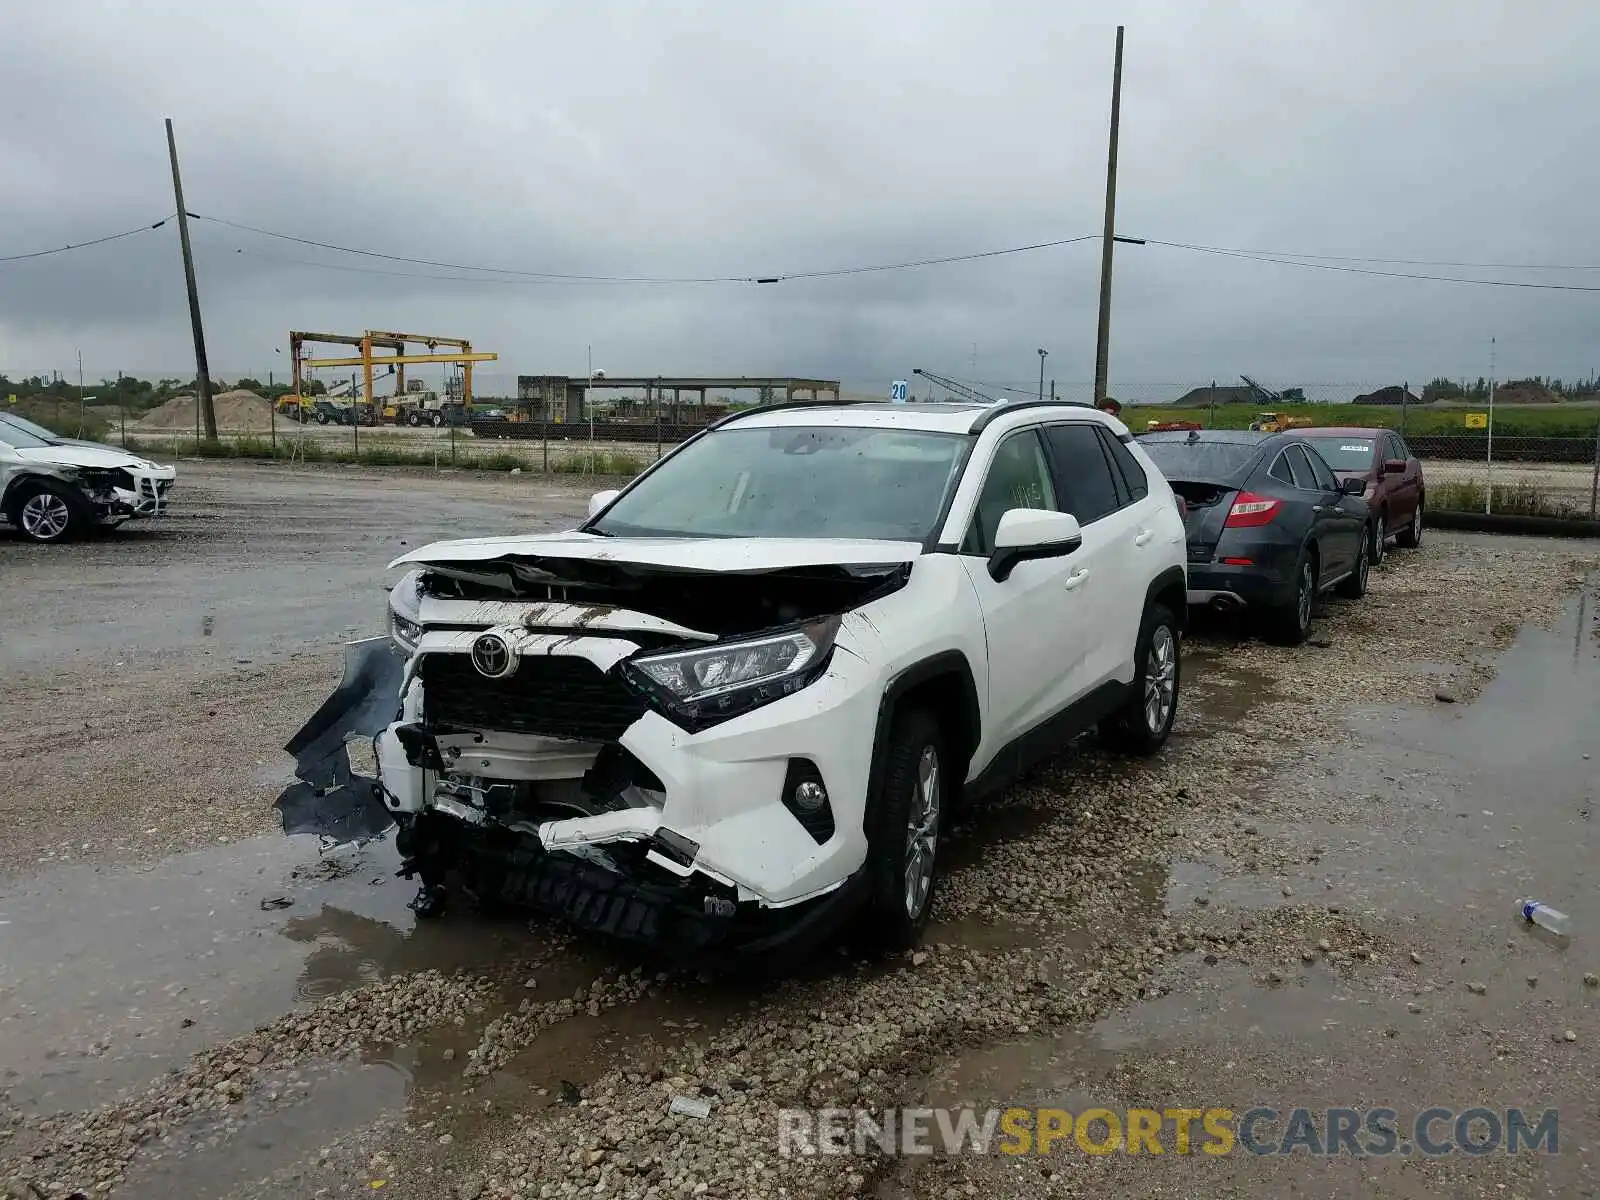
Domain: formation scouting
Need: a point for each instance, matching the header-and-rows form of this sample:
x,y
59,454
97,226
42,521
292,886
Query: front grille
x,y
551,696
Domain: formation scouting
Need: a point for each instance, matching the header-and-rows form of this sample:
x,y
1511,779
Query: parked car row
x,y
1272,520
54,488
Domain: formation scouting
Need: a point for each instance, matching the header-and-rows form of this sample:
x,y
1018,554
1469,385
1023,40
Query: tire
x,y
903,821
322,418
1411,536
438,420
45,512
1142,725
413,420
1290,625
1380,539
1354,586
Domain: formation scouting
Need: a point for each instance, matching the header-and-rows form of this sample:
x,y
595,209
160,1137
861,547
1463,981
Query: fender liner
x,y
945,664
1176,579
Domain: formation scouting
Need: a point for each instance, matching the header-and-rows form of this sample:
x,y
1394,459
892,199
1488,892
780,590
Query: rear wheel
x,y
45,512
1380,538
438,420
1145,720
1291,624
903,823
1354,586
1411,537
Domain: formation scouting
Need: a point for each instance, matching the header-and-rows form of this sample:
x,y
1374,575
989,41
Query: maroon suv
x,y
1394,478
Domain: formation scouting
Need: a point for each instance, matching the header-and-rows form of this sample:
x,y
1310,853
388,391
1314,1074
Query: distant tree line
x,y
1478,389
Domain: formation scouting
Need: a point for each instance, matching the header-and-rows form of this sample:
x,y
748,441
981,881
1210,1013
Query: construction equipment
x,y
1171,426
409,403
955,386
1276,420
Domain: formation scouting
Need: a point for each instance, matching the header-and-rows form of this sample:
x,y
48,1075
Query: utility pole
x,y
1042,354
202,382
1103,341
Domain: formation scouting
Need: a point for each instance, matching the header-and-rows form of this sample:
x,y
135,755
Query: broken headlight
x,y
707,684
405,613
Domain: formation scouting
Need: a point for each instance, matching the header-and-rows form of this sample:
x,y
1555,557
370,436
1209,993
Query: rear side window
x,y
1133,476
1280,470
1397,448
1084,484
1300,469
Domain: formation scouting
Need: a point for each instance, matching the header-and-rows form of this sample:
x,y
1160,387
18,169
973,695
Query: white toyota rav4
x,y
735,707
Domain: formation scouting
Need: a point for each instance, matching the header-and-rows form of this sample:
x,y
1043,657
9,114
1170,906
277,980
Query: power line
x,y
1328,266
99,241
1402,262
553,276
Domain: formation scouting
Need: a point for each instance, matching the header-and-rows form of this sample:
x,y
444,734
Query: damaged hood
x,y
712,555
83,455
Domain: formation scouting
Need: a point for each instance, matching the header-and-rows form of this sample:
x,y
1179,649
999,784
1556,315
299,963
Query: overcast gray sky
x,y
751,137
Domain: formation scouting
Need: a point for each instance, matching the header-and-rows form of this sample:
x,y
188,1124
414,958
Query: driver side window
x,y
1019,477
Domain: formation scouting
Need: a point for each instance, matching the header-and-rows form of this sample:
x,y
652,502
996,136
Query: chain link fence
x,y
1533,451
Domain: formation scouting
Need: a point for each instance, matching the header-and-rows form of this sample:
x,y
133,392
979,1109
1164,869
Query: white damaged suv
x,y
735,707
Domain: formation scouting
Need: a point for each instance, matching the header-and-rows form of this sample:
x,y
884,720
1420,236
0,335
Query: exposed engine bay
x,y
533,723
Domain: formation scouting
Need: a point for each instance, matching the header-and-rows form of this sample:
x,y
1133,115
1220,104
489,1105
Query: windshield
x,y
1345,454
795,482
1182,458
14,433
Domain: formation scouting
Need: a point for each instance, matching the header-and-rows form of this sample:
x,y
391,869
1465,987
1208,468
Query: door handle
x,y
1316,508
1144,537
1076,578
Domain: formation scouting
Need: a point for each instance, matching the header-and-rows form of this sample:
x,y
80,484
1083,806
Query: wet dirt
x,y
1424,831
302,561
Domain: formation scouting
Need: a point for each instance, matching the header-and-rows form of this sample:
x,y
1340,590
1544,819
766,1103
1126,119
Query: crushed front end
x,y
678,758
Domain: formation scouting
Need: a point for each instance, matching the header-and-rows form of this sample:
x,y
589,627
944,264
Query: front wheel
x,y
1290,625
45,513
438,420
903,822
1411,537
1146,717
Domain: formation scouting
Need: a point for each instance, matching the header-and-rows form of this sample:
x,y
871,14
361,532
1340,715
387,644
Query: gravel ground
x,y
1071,903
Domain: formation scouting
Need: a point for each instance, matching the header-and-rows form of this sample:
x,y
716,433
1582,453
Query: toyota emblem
x,y
492,656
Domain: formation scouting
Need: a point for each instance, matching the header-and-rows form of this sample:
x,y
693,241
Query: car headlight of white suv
x,y
704,685
405,613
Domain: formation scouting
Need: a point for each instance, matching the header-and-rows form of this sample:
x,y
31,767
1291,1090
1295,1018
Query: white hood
x,y
85,456
688,554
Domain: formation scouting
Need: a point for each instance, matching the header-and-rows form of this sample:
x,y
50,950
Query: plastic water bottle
x,y
1543,915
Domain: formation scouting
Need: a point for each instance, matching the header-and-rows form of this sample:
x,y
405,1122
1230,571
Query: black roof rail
x,y
788,404
1010,406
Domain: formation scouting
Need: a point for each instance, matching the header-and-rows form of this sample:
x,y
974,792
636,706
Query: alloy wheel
x,y
1160,680
1303,600
1364,565
45,516
1416,524
922,833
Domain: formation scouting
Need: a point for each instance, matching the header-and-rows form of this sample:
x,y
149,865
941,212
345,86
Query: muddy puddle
x,y
107,979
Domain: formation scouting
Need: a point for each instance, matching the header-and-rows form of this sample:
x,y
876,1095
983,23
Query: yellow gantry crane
x,y
396,361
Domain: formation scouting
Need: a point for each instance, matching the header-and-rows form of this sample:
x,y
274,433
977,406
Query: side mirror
x,y
1394,466
600,501
1354,486
1029,533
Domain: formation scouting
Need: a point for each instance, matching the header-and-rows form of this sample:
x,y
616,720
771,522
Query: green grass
x,y
598,462
1509,421
1512,499
62,419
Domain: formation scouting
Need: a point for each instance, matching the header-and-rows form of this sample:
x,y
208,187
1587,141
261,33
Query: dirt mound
x,y
238,411
1524,391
